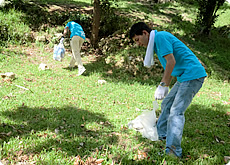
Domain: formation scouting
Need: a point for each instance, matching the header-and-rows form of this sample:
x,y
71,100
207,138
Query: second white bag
x,y
59,51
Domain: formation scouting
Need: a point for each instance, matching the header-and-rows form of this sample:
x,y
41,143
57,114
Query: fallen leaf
x,y
5,97
226,103
9,133
28,79
91,161
78,161
141,154
19,152
6,134
99,161
204,156
110,72
56,130
188,157
217,139
107,123
24,158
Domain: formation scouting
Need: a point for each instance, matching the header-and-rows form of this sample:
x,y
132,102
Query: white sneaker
x,y
81,70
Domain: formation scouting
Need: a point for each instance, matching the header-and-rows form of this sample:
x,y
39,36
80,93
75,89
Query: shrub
x,y
110,21
12,29
120,54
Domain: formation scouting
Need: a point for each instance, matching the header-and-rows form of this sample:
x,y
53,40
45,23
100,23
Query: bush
x,y
121,54
12,29
110,21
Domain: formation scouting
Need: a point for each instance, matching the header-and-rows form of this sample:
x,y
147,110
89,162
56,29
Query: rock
x,y
58,35
41,38
10,75
43,66
101,81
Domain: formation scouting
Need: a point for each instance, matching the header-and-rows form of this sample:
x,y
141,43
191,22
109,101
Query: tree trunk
x,y
96,23
209,16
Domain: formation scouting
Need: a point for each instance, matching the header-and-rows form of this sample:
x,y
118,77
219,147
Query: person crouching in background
x,y
77,38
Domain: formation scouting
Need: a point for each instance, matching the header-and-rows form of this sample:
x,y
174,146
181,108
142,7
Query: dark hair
x,y
77,21
138,28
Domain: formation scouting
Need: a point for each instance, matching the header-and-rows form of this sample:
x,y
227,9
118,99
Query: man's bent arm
x,y
168,69
65,31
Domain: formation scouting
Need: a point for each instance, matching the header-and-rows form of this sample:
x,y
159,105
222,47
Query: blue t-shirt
x,y
75,29
187,65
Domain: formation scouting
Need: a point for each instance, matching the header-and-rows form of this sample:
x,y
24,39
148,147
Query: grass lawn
x,y
62,115
61,118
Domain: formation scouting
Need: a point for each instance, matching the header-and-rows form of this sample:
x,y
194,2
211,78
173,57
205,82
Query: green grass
x,y
223,18
91,119
63,116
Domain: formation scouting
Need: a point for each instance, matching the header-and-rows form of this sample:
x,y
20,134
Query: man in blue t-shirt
x,y
178,61
77,37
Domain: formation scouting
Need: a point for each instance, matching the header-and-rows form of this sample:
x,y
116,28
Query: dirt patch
x,y
36,56
69,8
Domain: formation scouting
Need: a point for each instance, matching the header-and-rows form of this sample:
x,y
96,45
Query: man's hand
x,y
161,92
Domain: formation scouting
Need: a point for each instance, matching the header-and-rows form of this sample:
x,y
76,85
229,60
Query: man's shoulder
x,y
163,33
70,23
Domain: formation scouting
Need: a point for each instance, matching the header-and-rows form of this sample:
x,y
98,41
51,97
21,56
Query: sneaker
x,y
81,70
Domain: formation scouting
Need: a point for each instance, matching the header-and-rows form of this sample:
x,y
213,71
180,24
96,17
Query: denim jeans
x,y
171,121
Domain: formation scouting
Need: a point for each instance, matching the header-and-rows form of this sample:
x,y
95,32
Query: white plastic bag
x,y
146,123
59,51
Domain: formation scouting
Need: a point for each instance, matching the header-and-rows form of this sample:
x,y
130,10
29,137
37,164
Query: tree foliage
x,y
207,14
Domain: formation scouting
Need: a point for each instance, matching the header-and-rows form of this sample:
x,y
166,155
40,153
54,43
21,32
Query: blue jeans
x,y
171,121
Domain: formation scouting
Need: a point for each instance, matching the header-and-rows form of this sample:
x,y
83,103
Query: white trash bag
x,y
59,51
146,123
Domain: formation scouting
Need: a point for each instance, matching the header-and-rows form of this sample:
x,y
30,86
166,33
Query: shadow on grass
x,y
206,131
174,18
63,129
116,74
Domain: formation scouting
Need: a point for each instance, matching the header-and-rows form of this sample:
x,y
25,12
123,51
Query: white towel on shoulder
x,y
148,61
